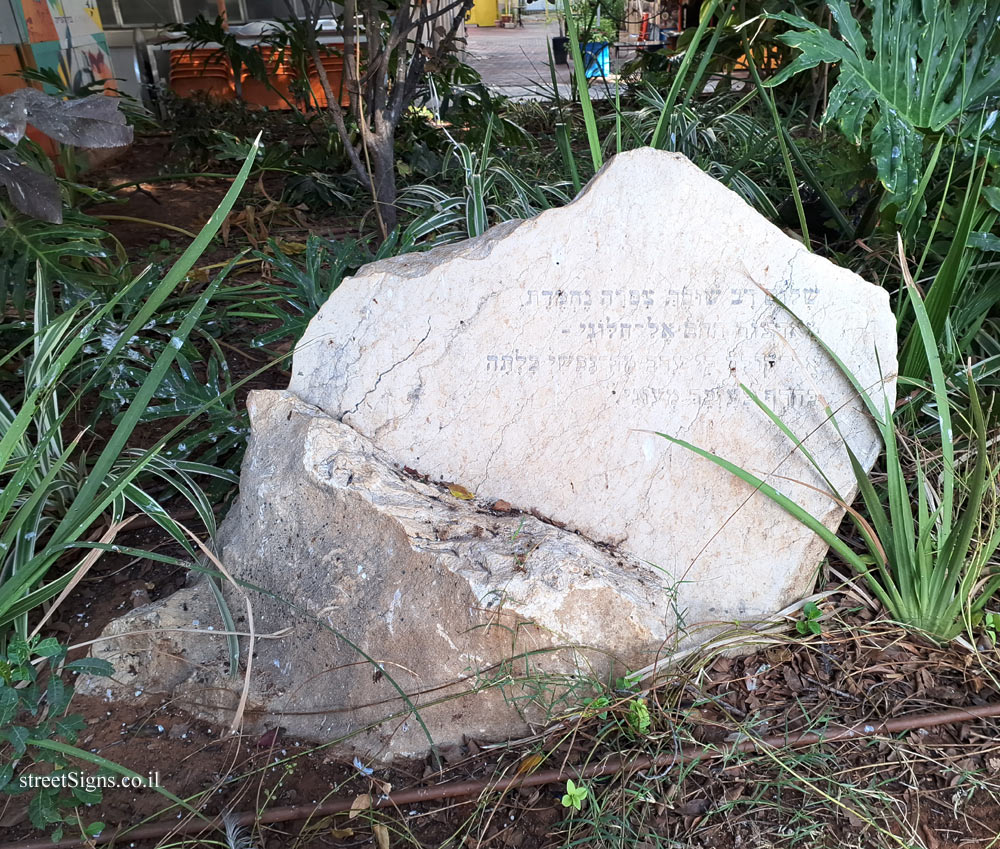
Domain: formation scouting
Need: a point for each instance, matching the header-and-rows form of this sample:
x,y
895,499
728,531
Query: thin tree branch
x,y
404,93
332,101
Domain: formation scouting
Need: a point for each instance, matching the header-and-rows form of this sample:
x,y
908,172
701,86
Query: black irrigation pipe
x,y
460,789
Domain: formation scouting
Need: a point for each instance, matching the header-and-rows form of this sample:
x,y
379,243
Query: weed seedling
x,y
639,721
597,707
574,796
809,623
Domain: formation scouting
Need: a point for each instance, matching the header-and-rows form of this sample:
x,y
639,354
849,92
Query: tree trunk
x,y
383,162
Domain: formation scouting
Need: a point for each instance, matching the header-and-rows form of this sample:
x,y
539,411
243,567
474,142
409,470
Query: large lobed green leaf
x,y
929,62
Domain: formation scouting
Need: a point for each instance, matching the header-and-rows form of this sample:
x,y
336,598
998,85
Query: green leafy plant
x,y
73,251
304,282
598,21
597,706
490,191
197,383
719,135
931,535
54,494
34,707
382,85
579,74
575,795
925,67
690,52
93,121
991,626
809,623
961,278
37,226
639,720
201,32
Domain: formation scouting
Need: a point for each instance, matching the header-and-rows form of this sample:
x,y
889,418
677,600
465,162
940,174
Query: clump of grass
x,y
932,533
51,493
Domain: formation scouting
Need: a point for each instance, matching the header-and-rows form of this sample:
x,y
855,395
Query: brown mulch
x,y
935,788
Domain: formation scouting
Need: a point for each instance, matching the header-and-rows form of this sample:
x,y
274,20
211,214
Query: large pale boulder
x,y
389,585
535,363
532,365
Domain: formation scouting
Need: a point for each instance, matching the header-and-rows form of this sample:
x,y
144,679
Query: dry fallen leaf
x,y
361,803
381,836
530,763
269,738
341,833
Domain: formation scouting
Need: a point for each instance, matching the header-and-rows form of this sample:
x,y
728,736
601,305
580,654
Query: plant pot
x,y
596,59
560,49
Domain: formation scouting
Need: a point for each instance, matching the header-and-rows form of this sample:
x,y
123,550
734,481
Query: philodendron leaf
x,y
8,705
922,67
32,192
90,666
991,194
93,121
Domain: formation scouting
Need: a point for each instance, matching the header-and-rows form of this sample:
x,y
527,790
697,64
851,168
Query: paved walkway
x,y
514,61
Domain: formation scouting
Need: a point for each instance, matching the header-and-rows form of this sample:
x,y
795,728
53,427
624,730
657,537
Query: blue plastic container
x,y
596,59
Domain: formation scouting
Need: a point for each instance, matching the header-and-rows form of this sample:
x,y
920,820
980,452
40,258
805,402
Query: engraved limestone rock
x,y
534,363
531,366
388,584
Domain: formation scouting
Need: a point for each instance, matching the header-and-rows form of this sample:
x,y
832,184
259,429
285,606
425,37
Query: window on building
x,y
269,10
135,13
190,9
145,12
109,18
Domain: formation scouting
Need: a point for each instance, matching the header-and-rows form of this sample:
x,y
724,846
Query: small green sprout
x,y
628,682
597,707
639,719
991,626
809,623
574,796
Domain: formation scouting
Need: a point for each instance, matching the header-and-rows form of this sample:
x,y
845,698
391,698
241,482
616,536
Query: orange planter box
x,y
201,71
334,67
206,71
280,75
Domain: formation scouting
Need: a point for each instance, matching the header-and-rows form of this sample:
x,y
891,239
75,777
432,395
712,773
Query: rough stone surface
x,y
533,364
529,366
443,594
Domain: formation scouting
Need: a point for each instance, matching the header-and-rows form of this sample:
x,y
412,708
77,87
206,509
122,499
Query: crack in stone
x,y
503,431
382,374
350,337
455,331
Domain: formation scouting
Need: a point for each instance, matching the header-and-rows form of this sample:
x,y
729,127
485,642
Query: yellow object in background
x,y
483,13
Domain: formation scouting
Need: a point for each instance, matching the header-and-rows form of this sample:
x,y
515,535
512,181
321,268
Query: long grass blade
x,y
768,97
660,133
590,122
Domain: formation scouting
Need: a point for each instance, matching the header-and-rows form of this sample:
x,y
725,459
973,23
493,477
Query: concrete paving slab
x,y
514,61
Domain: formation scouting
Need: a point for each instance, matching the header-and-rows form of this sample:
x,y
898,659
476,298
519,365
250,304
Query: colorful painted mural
x,y
66,37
